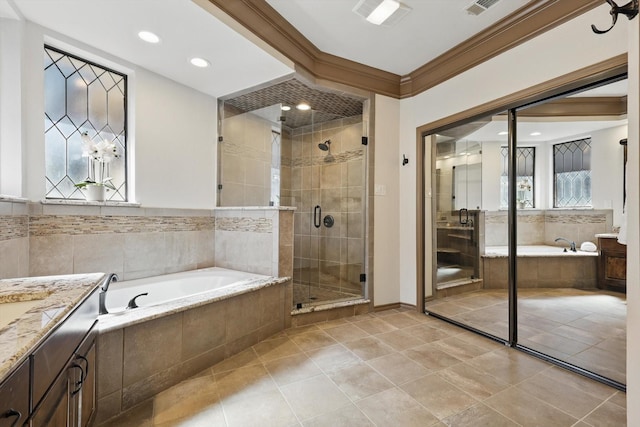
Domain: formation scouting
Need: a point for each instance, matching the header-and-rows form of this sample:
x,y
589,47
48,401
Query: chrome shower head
x,y
324,146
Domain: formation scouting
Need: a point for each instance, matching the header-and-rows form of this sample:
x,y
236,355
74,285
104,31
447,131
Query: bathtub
x,y
540,266
176,292
188,322
535,250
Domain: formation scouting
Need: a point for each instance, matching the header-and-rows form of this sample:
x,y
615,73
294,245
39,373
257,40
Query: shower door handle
x,y
317,216
466,219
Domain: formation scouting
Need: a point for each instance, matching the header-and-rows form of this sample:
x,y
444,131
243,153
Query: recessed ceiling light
x,y
285,108
149,37
383,11
504,132
303,106
199,62
535,133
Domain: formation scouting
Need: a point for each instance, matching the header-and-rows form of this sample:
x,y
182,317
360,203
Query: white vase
x,y
95,193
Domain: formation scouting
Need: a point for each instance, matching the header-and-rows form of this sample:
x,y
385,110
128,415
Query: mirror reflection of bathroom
x,y
299,145
571,267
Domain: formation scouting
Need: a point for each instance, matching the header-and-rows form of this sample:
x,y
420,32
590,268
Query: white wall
x,y
387,216
11,172
534,62
633,231
172,129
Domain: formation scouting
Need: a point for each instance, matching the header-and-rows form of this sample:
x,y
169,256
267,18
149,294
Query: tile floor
x,y
587,328
313,295
391,368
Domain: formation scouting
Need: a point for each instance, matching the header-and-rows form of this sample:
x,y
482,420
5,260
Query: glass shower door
x,y
331,253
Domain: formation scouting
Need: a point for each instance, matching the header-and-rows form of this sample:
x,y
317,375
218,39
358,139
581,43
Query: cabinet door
x,y
14,397
54,408
86,386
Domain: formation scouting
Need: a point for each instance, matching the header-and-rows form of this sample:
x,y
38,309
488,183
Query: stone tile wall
x,y
542,227
256,240
14,239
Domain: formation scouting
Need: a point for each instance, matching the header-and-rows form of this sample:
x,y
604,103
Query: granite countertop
x,y
53,298
607,235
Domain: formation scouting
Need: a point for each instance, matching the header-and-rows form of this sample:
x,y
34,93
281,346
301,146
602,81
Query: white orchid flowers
x,y
100,155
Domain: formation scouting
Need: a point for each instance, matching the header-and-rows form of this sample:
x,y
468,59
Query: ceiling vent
x,y
479,6
365,8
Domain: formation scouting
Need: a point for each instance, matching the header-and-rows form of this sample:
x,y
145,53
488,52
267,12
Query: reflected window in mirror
x,y
572,174
526,163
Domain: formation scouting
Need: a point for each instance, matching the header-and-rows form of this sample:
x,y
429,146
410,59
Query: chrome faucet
x,y
103,292
572,245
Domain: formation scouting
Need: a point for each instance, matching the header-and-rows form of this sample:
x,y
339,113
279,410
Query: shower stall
x,y
313,160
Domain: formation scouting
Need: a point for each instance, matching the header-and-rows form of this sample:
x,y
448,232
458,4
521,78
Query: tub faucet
x,y
572,245
103,292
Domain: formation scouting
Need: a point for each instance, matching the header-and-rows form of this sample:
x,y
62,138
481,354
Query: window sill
x,y
86,203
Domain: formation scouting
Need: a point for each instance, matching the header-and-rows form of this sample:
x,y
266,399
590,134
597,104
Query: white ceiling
x,y
430,29
185,30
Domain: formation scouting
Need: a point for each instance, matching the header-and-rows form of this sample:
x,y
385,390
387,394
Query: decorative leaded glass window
x,y
526,163
572,174
83,97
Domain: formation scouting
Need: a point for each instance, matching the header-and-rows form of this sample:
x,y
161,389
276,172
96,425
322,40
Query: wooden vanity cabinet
x,y
71,400
612,265
14,397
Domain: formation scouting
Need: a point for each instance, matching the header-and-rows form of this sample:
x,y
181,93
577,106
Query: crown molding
x,y
606,106
533,19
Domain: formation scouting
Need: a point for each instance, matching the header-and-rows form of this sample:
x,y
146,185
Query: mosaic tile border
x,y
543,217
47,225
255,225
14,226
343,157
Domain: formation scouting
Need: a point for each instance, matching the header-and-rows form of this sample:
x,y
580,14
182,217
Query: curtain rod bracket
x,y
630,10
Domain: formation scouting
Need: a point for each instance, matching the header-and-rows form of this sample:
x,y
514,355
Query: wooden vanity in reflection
x,y
612,263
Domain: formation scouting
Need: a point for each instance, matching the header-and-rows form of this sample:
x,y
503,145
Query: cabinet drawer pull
x,y
78,383
13,413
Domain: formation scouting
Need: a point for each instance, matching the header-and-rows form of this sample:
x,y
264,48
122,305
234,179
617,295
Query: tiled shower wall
x,y
328,257
542,227
246,160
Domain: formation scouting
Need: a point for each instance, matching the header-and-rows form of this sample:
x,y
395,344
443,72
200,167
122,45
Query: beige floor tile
x,y
620,399
375,326
439,396
276,348
360,381
594,388
333,358
138,416
293,368
525,409
478,415
400,340
473,381
555,392
268,409
607,415
394,407
427,333
509,365
249,380
431,357
401,320
368,348
347,332
349,416
398,368
245,358
313,397
301,330
188,397
206,417
313,339
459,348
